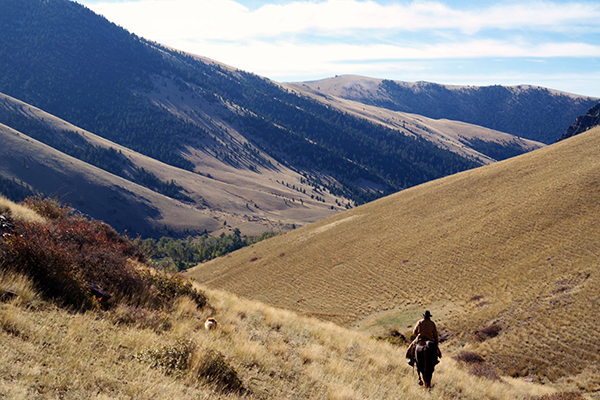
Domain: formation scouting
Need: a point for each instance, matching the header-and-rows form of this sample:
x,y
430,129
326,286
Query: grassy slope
x,y
50,353
513,244
230,195
126,204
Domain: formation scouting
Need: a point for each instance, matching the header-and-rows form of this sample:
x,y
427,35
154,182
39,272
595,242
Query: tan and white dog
x,y
210,324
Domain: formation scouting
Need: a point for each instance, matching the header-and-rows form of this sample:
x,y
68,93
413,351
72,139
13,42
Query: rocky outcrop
x,y
583,123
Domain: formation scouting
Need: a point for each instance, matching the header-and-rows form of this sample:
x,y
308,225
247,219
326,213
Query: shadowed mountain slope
x,y
128,206
505,256
526,111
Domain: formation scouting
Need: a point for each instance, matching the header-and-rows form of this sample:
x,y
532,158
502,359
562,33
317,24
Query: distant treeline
x,y
15,190
181,254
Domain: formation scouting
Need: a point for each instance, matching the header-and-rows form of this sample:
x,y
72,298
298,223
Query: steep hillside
x,y
505,256
526,111
223,198
196,114
126,205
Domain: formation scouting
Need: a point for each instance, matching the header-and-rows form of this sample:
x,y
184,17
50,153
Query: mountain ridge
x,y
583,123
204,190
467,140
543,114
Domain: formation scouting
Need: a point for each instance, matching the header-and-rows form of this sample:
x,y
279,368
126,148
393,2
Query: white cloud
x,y
228,20
320,38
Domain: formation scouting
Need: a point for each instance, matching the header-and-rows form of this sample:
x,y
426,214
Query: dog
x,y
210,324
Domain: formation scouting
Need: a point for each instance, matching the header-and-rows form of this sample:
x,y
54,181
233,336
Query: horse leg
x,y
427,379
420,379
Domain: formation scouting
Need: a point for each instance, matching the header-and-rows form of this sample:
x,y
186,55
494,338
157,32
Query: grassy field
x,y
51,353
505,256
127,350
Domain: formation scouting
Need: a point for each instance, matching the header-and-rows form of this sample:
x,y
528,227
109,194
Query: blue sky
x,y
555,44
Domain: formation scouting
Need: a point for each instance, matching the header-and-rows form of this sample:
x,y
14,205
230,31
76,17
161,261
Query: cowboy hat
x,y
427,314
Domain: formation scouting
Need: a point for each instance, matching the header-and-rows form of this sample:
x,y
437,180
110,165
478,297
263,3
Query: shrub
x,y
48,208
34,251
560,396
172,360
69,256
207,365
488,332
393,336
169,286
211,366
485,370
477,365
469,357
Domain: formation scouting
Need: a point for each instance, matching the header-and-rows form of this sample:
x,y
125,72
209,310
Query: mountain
x,y
239,149
505,257
531,112
179,108
189,202
128,206
583,123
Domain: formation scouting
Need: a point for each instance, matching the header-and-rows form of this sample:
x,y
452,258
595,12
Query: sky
x,y
554,44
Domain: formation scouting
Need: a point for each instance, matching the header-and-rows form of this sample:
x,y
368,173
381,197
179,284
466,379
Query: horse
x,y
426,359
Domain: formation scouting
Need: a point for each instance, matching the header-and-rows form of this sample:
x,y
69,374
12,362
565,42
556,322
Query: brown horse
x,y
426,359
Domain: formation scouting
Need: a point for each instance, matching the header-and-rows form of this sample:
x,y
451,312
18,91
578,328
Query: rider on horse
x,y
425,329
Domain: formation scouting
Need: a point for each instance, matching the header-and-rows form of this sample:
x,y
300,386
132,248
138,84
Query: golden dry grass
x,y
514,244
18,211
51,353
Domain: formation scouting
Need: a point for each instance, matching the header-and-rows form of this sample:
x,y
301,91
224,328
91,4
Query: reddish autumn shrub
x,y
469,357
484,370
70,254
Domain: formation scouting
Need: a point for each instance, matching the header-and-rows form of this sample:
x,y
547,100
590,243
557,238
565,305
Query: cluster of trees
x,y
532,113
180,254
495,150
14,190
151,181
